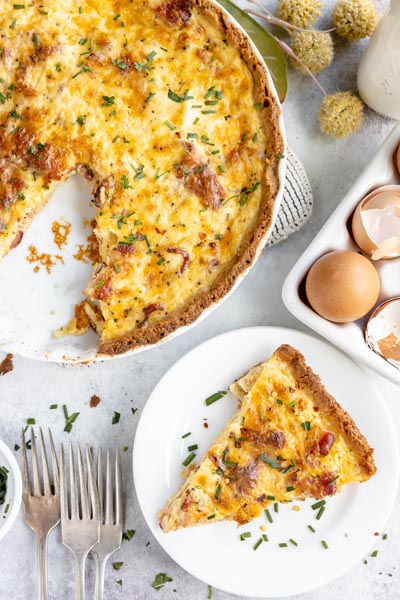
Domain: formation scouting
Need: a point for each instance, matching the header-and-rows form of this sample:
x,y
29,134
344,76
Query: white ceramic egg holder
x,y
335,235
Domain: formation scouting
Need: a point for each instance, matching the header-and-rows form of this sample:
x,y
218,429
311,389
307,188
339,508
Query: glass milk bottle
x,y
379,70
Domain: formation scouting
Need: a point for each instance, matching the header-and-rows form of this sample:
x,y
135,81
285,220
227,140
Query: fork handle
x,y
80,560
42,565
100,563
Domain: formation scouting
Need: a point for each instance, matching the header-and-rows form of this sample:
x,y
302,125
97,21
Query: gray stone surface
x,y
28,391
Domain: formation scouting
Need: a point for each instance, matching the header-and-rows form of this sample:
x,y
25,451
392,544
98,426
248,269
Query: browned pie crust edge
x,y
270,115
308,380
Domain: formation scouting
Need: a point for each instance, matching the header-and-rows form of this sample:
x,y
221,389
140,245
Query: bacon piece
x,y
177,12
103,289
6,365
100,191
326,442
317,486
17,239
273,437
200,179
85,171
185,255
22,140
48,161
244,478
42,53
148,310
126,249
187,502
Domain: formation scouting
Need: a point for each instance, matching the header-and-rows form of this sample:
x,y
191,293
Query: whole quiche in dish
x,y
168,108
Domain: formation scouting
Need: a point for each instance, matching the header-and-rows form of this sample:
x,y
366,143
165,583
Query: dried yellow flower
x,y
340,114
314,49
302,13
355,19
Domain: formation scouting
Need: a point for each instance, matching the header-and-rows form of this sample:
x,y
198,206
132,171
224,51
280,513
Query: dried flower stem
x,y
287,49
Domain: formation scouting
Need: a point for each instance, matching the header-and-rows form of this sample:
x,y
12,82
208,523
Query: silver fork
x,y
111,517
42,508
80,523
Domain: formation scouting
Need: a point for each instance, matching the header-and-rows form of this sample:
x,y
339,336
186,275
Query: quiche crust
x,y
77,99
267,453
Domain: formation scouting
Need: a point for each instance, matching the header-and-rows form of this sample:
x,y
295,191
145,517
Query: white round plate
x,y
14,490
214,553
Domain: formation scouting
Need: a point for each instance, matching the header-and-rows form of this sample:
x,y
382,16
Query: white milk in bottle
x,y
379,71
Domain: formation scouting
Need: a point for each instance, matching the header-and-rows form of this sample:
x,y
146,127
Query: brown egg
x,y
342,286
398,159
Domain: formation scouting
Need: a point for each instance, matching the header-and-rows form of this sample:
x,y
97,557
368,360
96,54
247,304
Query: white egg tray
x,y
335,235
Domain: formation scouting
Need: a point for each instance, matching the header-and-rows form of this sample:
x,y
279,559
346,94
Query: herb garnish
x,y
177,98
118,62
3,484
325,545
218,492
124,181
36,40
271,461
332,481
214,397
187,434
268,515
244,535
227,463
81,120
128,535
69,419
108,100
117,565
257,544
306,425
160,580
84,69
116,417
189,459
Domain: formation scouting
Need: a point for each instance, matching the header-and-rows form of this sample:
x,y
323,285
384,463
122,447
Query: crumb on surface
x,y
60,232
6,365
94,401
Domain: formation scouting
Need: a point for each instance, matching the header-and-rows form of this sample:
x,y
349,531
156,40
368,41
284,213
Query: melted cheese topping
x,y
269,452
118,91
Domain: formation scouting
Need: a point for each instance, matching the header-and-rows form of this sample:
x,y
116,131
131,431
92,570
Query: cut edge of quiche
x,y
289,440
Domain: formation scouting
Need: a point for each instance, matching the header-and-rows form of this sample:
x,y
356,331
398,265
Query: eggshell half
x,y
376,223
382,332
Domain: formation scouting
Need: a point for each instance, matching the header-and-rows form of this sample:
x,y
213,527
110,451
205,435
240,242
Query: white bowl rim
x,y
17,479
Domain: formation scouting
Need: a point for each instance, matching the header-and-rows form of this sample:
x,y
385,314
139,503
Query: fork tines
x,y
36,489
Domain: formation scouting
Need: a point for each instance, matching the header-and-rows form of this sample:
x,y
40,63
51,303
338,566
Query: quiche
x,y
167,109
289,440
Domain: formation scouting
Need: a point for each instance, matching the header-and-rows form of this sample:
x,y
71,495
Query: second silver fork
x,y
80,521
111,518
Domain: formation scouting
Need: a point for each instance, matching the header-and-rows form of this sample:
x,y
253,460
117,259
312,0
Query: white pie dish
x,y
14,490
37,304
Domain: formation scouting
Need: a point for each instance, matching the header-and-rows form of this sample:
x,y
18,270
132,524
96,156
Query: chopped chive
x,y
192,448
290,466
332,481
116,418
320,513
265,537
16,447
279,401
290,488
208,112
283,545
257,544
292,403
36,40
117,565
169,125
53,406
149,97
268,515
192,135
311,528
200,169
257,106
272,462
211,517
128,535
385,536
19,6
116,268
31,421
214,397
13,24
318,504
276,507
306,425
325,545
189,459
270,497
218,492
292,541
374,554
185,435
244,535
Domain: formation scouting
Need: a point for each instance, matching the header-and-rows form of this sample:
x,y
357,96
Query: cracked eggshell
x,y
376,223
382,332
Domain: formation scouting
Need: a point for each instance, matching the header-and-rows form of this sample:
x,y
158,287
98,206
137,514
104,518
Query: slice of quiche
x,y
289,440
